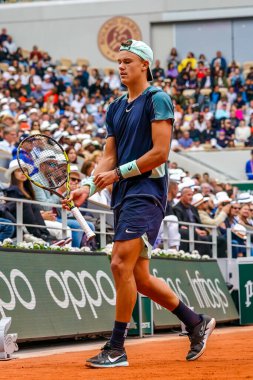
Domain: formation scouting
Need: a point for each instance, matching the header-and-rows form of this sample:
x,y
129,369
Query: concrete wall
x,y
70,28
223,165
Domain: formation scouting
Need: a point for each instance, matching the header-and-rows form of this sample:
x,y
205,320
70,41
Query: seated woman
x,y
21,188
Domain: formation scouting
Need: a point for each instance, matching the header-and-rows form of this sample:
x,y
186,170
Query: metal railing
x,y
101,214
64,218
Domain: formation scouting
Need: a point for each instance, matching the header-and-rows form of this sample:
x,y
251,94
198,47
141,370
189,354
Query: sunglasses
x,y
75,179
127,43
236,208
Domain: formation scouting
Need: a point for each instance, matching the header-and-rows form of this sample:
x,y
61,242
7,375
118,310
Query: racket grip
x,y
79,217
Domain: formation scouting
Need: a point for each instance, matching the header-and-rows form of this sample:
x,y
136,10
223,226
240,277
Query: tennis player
x,y
139,128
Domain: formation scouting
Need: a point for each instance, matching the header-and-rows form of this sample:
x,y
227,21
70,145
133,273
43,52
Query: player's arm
x,y
161,138
109,159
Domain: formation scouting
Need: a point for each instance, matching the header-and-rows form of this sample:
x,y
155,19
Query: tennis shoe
x,y
198,337
108,358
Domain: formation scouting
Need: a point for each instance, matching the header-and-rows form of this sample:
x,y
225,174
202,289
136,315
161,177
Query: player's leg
x,y
124,257
198,326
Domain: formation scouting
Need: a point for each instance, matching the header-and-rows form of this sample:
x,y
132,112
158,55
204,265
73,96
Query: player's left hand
x,y
104,179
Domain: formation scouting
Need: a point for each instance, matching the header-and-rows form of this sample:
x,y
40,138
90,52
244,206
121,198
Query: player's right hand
x,y
78,196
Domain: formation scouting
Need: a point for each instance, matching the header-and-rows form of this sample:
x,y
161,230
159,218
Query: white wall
x,y
69,28
223,164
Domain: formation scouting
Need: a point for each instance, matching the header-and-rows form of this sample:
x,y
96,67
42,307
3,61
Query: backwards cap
x,y
142,50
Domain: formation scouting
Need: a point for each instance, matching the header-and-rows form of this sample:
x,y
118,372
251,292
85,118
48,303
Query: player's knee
x,y
142,283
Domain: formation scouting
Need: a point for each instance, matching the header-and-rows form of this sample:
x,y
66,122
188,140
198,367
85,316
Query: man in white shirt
x,y
10,137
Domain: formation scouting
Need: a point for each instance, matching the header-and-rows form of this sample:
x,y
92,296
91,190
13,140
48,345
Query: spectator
x,y
186,212
239,237
171,220
201,203
72,155
6,229
231,219
9,140
185,141
10,45
158,71
249,167
20,187
35,54
242,133
171,72
3,35
190,59
244,217
220,60
222,139
112,79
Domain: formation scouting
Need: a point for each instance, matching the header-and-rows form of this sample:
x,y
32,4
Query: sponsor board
x,y
246,291
199,284
64,294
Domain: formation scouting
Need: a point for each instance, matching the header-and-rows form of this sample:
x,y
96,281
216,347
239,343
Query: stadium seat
x,y
188,92
66,62
205,91
223,90
4,66
247,65
108,69
82,61
26,53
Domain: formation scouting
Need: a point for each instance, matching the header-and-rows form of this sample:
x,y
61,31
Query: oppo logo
x,y
67,289
13,284
80,290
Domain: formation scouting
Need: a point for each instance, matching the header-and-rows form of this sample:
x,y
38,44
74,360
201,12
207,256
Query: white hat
x,y
50,69
13,165
175,177
49,155
47,76
86,142
12,100
22,117
3,101
240,230
222,196
11,68
244,198
45,125
198,199
73,138
33,110
59,134
53,127
74,123
187,183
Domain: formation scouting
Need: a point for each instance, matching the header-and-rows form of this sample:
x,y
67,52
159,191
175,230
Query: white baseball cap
x,y
141,49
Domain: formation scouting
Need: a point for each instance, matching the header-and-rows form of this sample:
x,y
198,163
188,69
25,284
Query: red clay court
x,y
229,356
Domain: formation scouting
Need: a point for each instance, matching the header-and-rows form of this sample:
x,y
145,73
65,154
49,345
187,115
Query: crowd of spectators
x,y
213,104
205,201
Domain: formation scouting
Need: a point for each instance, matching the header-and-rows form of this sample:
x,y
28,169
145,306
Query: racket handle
x,y
79,217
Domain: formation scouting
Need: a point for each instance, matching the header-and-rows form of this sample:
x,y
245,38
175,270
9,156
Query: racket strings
x,y
46,159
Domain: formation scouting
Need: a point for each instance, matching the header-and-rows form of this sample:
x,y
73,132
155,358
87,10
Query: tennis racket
x,y
47,166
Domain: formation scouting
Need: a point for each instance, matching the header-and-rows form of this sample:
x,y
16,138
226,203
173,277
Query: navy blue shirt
x,y
130,125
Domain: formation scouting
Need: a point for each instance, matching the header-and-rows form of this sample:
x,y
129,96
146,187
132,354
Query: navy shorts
x,y
138,217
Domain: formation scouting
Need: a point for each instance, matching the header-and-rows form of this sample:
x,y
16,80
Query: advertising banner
x,y
246,291
199,284
65,294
